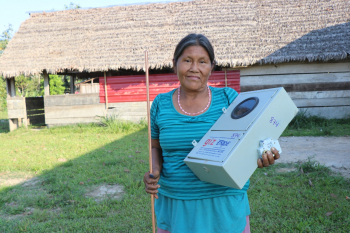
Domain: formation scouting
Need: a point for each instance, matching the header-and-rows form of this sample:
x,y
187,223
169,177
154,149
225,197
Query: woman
x,y
183,202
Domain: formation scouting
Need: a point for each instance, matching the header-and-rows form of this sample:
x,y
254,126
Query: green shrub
x,y
3,94
114,123
56,85
304,124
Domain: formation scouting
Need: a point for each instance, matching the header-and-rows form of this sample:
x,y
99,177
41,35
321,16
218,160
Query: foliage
x,y
33,88
5,38
66,84
27,86
56,85
3,94
303,120
116,124
71,6
21,83
307,125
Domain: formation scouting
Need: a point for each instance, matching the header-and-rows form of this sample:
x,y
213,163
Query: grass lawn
x,y
67,163
47,174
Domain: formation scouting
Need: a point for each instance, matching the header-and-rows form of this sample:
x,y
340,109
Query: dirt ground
x,y
332,152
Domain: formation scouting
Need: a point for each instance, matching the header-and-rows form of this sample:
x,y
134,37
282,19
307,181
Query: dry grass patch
x,y
102,192
285,169
14,178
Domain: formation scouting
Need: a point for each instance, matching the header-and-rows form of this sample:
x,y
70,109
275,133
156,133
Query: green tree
x,y
33,88
3,94
56,85
21,84
5,38
71,6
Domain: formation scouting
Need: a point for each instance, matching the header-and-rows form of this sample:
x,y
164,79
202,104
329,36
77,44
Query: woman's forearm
x,y
157,157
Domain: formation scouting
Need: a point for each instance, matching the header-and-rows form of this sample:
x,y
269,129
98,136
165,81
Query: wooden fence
x,y
321,89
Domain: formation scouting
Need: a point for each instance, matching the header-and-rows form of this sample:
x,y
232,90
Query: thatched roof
x,y
242,32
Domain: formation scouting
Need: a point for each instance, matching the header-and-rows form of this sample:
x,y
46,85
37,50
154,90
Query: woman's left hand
x,y
268,158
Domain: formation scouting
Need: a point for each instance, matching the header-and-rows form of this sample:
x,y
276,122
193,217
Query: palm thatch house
x,y
303,46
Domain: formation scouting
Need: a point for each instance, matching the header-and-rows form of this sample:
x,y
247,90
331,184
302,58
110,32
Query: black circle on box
x,y
244,108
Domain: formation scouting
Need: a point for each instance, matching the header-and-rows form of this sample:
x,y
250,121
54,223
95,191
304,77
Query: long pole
x,y
149,137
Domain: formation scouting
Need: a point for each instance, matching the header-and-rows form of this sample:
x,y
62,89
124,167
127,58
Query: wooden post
x,y
13,124
149,137
8,88
225,77
13,87
72,84
46,83
106,92
11,92
25,117
25,121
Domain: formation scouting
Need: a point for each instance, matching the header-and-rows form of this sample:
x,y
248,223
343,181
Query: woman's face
x,y
193,68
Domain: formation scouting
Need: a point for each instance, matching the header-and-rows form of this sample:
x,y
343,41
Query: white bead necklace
x,y
188,113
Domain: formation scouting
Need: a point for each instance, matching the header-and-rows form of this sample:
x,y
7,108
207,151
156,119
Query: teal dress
x,y
185,203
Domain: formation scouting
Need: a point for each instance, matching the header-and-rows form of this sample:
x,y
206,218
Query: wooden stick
x,y
225,78
149,137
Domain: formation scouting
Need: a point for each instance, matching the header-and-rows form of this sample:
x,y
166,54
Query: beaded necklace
x,y
188,113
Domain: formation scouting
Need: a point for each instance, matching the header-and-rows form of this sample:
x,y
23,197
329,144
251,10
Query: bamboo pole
x,y
149,137
106,96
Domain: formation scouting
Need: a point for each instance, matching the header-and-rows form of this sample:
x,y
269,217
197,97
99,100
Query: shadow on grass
x,y
4,121
56,200
4,126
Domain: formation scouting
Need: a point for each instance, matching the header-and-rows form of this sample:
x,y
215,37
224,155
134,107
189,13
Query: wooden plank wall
x,y
16,107
321,89
70,109
83,108
87,88
131,111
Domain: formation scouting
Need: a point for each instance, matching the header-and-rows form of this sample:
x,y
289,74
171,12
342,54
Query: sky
x,y
14,11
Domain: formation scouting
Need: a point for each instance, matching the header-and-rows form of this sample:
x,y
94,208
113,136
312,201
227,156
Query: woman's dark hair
x,y
194,39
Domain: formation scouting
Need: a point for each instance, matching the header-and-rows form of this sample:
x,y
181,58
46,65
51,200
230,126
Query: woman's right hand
x,y
151,182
